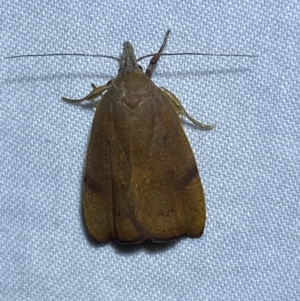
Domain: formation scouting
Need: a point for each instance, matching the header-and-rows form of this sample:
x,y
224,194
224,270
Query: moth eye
x,y
140,67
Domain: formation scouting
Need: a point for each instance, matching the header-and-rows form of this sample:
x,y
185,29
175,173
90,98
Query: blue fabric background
x,y
249,164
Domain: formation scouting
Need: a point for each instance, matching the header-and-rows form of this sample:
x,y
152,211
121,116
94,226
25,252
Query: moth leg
x,y
96,92
108,83
156,56
181,111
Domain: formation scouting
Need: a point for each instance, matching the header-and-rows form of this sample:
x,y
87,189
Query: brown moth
x,y
141,180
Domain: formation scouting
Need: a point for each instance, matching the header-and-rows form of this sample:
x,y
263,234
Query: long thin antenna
x,y
197,53
63,54
118,60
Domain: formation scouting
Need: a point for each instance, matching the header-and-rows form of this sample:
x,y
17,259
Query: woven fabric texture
x,y
249,164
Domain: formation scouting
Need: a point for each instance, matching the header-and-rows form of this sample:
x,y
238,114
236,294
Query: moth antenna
x,y
64,54
197,53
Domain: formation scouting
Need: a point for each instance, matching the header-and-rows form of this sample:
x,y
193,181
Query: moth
x,y
141,179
